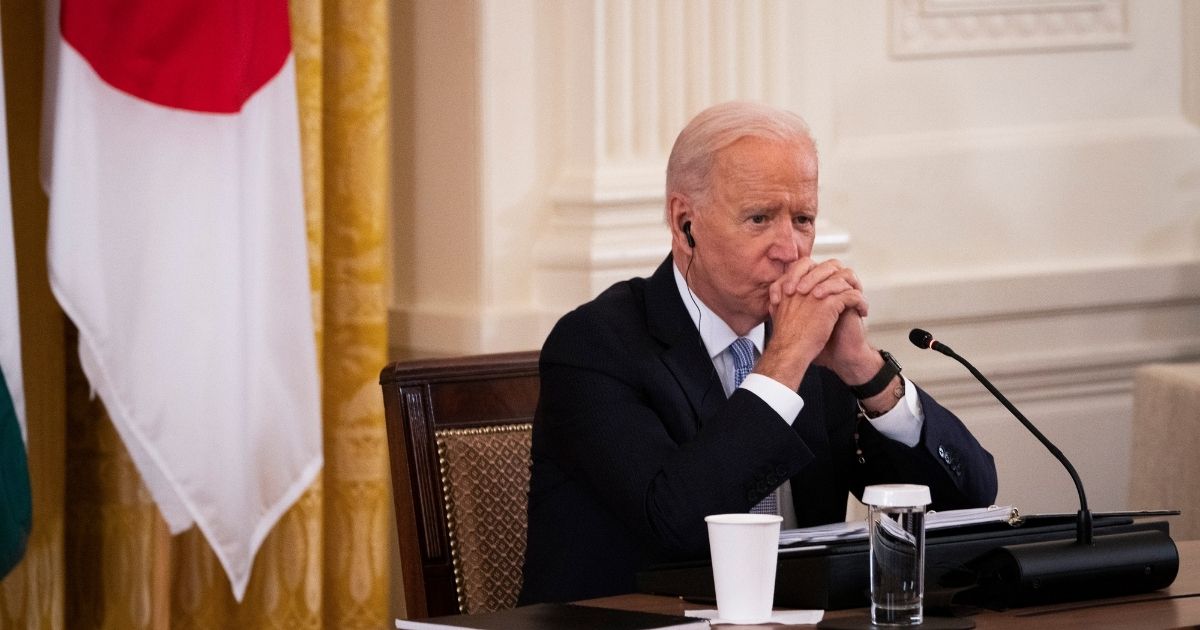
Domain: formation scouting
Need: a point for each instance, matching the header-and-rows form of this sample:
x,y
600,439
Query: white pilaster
x,y
1191,60
636,72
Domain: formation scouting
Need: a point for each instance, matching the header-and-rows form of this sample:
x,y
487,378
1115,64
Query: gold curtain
x,y
100,555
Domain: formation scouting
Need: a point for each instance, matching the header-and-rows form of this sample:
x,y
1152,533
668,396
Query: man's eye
x,y
802,219
759,219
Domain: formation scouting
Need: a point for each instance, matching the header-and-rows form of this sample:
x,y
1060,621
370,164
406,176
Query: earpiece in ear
x,y
687,232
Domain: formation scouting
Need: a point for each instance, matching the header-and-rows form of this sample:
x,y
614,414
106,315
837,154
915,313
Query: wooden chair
x,y
458,437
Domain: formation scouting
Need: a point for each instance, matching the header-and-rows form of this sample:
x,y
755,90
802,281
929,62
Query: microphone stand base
x,y
1061,571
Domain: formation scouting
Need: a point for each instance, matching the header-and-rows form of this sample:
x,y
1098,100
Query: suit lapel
x,y
814,491
684,354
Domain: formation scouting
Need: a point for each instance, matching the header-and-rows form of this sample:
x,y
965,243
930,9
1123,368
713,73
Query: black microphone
x,y
1087,567
1083,526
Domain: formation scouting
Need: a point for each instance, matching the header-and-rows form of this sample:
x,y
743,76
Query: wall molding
x,y
1056,335
955,28
1052,375
1074,134
1008,324
455,330
1063,346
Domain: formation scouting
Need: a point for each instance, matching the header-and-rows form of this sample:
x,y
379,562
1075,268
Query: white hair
x,y
695,150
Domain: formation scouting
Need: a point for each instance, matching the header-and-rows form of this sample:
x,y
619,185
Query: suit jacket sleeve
x,y
960,473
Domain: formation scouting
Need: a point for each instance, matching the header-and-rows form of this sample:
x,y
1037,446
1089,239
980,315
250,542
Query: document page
x,y
857,530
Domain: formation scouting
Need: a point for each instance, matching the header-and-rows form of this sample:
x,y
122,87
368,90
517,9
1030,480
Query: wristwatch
x,y
879,382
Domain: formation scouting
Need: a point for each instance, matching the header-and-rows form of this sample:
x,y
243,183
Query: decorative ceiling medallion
x,y
955,28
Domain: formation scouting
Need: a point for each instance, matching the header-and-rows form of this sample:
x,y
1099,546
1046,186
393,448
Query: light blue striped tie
x,y
742,350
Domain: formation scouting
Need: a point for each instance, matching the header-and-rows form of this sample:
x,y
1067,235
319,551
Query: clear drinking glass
x,y
897,533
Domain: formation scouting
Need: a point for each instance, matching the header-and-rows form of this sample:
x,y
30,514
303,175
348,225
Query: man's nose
x,y
784,247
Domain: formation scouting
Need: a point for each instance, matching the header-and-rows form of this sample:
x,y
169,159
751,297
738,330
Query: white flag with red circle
x,y
178,248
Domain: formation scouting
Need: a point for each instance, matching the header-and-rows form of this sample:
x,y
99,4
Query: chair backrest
x,y
458,437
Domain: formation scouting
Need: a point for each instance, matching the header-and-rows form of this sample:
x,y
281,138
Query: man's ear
x,y
681,215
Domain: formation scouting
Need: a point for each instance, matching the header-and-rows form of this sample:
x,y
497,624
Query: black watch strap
x,y
880,381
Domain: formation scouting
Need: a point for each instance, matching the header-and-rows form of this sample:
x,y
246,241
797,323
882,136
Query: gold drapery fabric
x,y
100,555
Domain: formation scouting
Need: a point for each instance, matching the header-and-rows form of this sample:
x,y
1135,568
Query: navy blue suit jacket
x,y
634,443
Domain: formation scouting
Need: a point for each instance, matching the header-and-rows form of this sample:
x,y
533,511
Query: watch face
x,y
888,358
880,381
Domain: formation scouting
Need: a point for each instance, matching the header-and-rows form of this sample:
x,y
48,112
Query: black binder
x,y
836,576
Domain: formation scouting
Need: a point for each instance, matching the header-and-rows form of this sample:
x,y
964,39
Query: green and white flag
x,y
16,511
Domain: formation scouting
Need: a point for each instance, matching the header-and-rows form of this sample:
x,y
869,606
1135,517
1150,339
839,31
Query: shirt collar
x,y
714,332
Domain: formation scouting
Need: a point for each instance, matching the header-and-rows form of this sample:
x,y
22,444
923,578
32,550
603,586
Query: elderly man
x,y
736,378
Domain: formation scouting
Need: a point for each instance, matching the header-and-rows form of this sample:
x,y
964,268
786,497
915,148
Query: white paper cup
x,y
745,552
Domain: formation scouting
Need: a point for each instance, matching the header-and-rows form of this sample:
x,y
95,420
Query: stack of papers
x,y
857,530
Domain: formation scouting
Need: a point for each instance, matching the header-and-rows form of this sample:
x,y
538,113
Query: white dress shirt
x,y
902,423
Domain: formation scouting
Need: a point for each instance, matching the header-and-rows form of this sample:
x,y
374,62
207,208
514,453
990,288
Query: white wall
x,y
1020,177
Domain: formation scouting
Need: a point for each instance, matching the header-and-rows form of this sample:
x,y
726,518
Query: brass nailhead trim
x,y
448,505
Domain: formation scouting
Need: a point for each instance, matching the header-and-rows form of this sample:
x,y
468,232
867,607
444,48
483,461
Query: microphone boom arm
x,y
1083,533
1116,563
